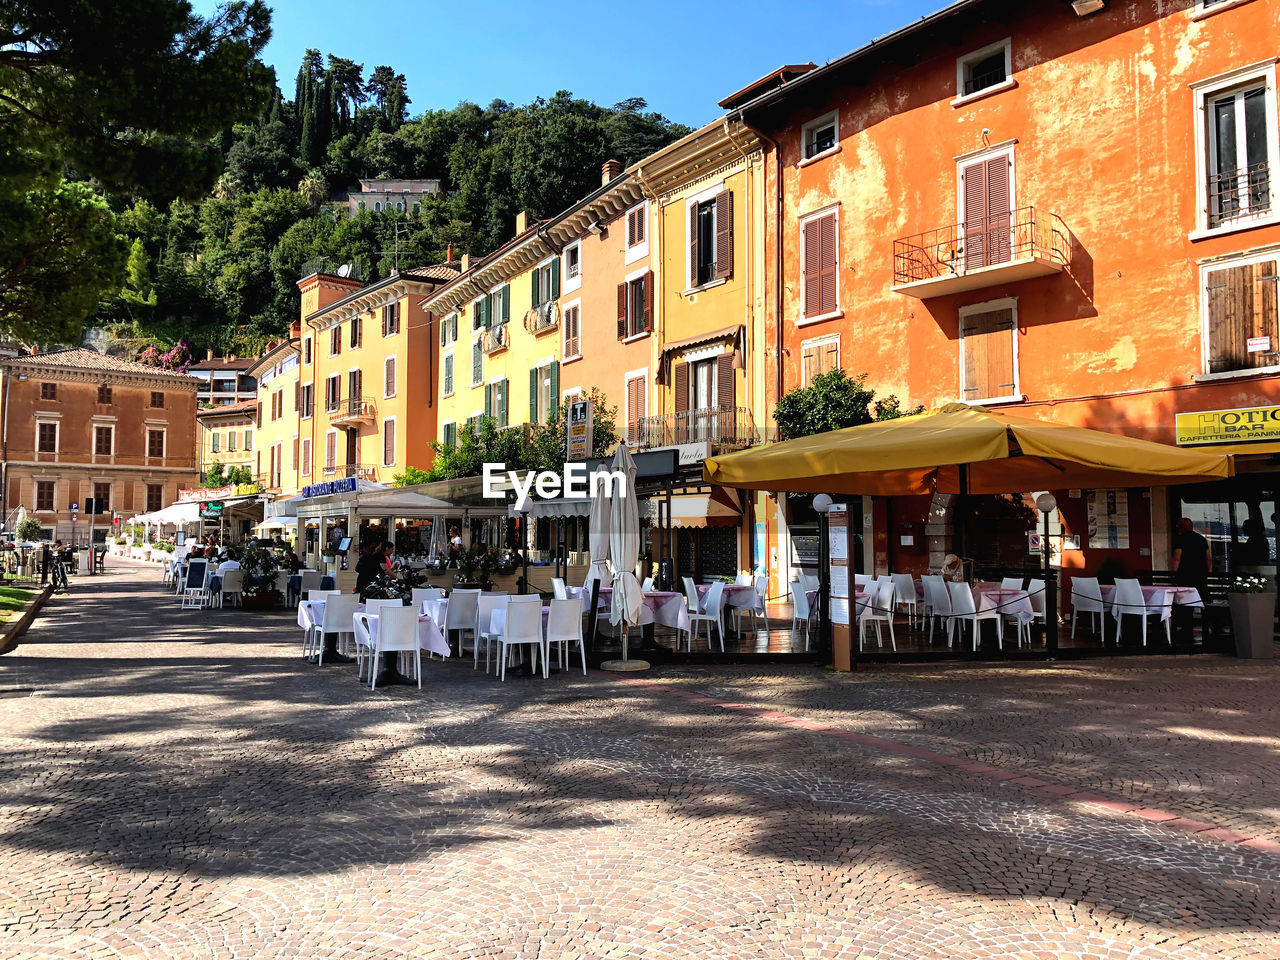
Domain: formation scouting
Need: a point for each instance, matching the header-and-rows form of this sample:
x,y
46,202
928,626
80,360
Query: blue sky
x,y
680,55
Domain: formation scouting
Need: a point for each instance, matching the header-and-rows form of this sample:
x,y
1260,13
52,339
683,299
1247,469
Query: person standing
x,y
1192,563
367,568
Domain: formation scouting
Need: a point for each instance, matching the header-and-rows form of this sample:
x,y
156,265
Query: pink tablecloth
x,y
741,595
1157,598
660,606
1014,603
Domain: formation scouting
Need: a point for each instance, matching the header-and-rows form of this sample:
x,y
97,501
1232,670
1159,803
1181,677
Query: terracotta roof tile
x,y
82,358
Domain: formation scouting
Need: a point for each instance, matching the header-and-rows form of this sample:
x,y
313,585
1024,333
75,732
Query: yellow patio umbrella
x,y
961,449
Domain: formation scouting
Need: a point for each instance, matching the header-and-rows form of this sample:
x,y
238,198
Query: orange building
x,y
1064,210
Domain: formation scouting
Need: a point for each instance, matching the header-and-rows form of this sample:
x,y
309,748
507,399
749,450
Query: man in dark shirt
x,y
368,566
1191,558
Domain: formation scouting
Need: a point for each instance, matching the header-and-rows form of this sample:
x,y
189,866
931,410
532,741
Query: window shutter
x,y
388,442
389,376
973,179
1000,372
998,210
830,357
812,272
1242,304
631,229
533,395
680,376
973,328
357,384
506,302
535,290
633,410
648,301
724,235
555,278
827,260
259,415
306,457
807,360
297,388
450,434
622,311
725,395
694,252
444,332
453,328
554,412
488,399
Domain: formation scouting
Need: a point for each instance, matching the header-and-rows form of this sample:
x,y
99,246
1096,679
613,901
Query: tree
x,y
833,401
348,89
410,477
214,476
28,530
389,92
313,189
550,442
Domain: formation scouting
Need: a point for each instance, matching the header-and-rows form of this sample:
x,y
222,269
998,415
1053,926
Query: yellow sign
x,y
1229,426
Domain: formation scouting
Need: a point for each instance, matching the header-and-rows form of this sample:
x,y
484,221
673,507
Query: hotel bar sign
x,y
1228,426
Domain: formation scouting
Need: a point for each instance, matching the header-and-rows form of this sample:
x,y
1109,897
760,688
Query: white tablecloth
x,y
430,637
1156,598
1014,603
498,620
740,595
660,606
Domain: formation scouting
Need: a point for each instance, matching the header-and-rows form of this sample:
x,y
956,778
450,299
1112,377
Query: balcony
x,y
730,428
268,482
496,339
1018,246
352,410
340,471
543,318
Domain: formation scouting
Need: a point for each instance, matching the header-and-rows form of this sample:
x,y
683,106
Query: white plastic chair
x,y
420,595
937,602
523,628
904,589
194,593
1129,602
742,580
365,650
486,605
338,613
647,585
710,615
964,610
691,590
397,632
1086,597
861,579
761,587
799,611
564,626
232,586
878,609
808,581
558,589
310,581
1011,583
462,616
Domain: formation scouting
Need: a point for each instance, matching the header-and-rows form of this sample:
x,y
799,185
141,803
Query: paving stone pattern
x,y
181,784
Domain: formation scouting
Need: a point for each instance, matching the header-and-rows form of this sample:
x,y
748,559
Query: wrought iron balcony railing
x,y
542,318
352,410
1245,192
721,427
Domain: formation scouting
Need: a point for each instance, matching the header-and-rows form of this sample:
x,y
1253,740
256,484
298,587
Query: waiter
x,y
1192,563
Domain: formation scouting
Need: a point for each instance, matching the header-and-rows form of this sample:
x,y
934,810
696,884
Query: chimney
x,y
448,253
209,354
232,357
466,262
295,330
522,222
611,170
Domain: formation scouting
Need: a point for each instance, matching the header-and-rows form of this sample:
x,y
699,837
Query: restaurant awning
x,y
961,449
694,510
566,507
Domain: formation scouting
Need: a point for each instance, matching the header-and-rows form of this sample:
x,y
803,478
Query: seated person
x,y
290,562
228,564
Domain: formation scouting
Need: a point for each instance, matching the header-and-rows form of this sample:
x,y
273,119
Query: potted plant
x,y
1252,617
258,569
469,566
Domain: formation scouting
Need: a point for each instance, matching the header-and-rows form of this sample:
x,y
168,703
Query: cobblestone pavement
x,y
182,785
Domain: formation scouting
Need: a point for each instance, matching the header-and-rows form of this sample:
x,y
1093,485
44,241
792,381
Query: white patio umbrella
x,y
598,537
624,551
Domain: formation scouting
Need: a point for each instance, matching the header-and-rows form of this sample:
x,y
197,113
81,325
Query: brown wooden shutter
x,y
725,394
827,258
622,311
808,362
648,301
1242,304
988,355
680,376
389,376
259,415
973,329
694,251
973,180
812,286
830,356
998,210
724,235
388,442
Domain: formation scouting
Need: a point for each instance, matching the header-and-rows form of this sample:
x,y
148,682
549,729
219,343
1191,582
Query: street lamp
x,y
523,508
822,504
1046,503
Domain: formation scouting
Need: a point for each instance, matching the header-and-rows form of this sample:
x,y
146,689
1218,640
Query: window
x,y
332,393
231,441
818,356
155,496
493,309
1240,315
355,386
635,306
330,451
1238,128
104,394
306,350
477,362
388,442
572,332
335,341
988,351
546,282
986,210
216,443
711,239
308,407
820,135
635,407
248,440
544,393
391,319
102,493
48,391
356,328
573,266
449,434
821,263
102,441
447,378
157,399
983,69
496,397
389,377
377,206
46,438
637,233
45,490
306,456
449,329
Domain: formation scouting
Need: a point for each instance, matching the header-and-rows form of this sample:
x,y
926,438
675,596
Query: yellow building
x,y
276,454
226,435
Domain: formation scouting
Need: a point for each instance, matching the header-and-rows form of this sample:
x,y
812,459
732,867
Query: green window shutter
x,y
554,412
453,328
488,400
506,302
450,434
486,308
555,278
533,395
503,390
534,300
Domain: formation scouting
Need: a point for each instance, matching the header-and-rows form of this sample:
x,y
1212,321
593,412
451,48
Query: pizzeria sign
x,y
1236,425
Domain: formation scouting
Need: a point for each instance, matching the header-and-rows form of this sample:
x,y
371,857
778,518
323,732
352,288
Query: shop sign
x,y
1236,425
580,424
330,487
1259,344
219,493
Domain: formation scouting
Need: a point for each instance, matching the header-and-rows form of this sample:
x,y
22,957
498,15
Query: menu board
x,y
1109,519
838,547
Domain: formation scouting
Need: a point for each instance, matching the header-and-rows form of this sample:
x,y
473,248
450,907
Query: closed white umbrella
x,y
624,551
598,536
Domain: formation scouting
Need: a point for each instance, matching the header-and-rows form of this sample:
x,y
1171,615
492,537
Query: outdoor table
x,y
311,613
430,638
1015,603
659,606
742,595
1156,598
295,583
